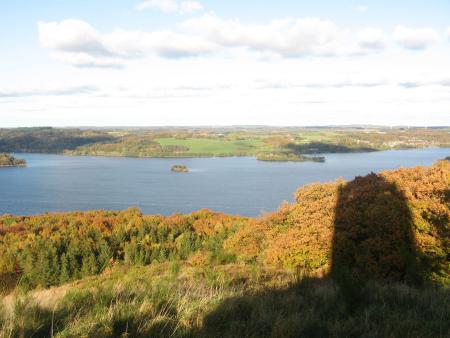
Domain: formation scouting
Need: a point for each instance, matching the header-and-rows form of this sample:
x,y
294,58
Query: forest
x,y
47,139
288,144
368,257
287,156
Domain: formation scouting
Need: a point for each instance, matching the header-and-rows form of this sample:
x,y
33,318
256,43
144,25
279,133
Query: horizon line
x,y
230,126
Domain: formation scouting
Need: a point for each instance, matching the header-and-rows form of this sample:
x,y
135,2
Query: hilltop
x,y
367,257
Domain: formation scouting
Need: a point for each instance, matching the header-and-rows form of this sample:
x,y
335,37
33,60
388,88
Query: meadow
x,y
177,299
217,146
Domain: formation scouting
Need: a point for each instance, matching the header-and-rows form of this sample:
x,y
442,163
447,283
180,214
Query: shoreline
x,y
187,156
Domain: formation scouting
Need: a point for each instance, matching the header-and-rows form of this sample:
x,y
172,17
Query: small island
x,y
7,160
178,168
287,156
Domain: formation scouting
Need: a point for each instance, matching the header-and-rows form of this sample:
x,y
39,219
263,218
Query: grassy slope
x,y
319,136
176,300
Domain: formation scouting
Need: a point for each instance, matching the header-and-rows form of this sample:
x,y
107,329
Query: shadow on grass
x,y
317,308
373,238
8,281
311,308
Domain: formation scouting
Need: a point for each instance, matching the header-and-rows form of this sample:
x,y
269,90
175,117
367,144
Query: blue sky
x,y
189,62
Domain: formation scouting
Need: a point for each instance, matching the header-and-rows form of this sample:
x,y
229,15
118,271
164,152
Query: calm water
x,y
233,185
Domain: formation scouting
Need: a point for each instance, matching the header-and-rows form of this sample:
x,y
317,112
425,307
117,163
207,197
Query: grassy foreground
x,y
173,300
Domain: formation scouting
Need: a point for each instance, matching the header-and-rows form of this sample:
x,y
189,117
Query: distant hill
x,y
286,142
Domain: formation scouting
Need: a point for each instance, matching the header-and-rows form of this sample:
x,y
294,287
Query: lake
x,y
238,185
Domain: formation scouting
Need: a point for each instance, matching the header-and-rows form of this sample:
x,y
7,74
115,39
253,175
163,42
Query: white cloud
x,y
86,60
190,6
288,37
78,43
166,6
71,36
371,38
361,8
271,84
240,90
448,32
171,6
49,91
165,43
444,82
415,38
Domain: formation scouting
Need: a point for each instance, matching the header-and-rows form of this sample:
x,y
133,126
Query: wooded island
x,y
178,168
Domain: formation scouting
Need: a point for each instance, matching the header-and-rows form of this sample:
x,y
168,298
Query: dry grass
x,y
226,301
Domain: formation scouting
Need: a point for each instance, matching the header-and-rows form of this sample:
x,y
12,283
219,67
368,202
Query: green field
x,y
216,146
319,136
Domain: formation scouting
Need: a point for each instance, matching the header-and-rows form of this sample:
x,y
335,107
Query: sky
x,y
211,62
